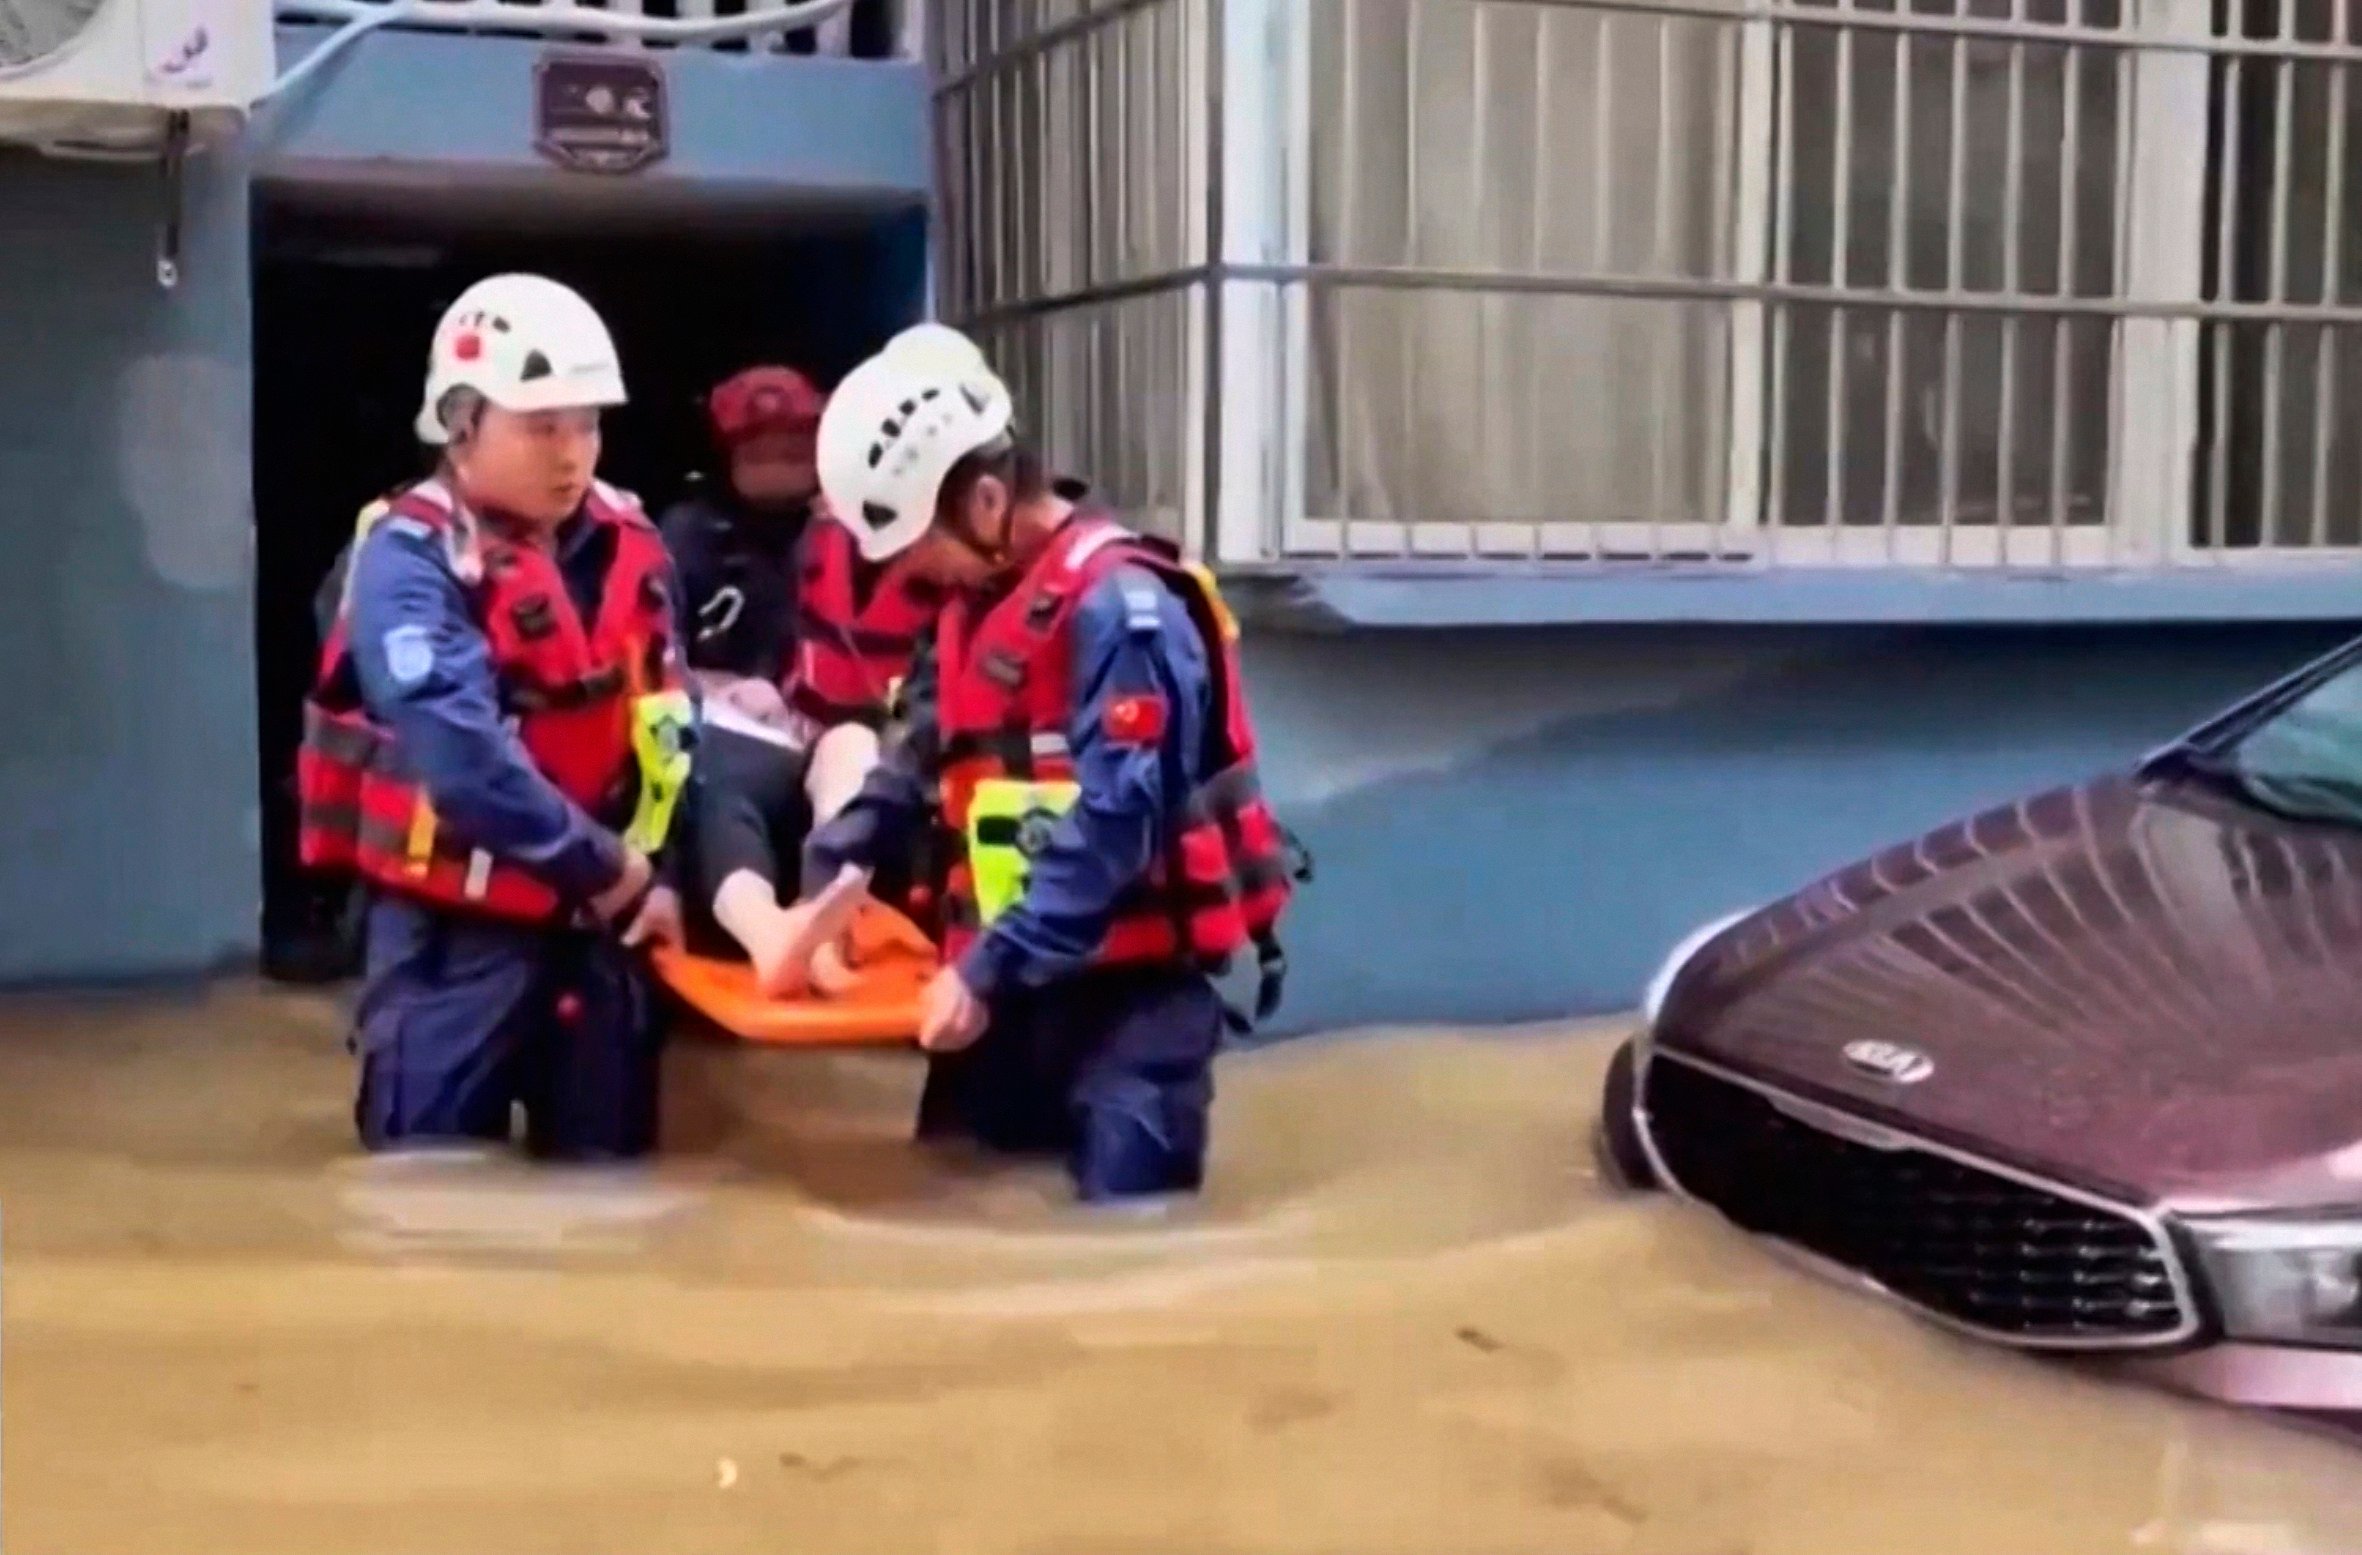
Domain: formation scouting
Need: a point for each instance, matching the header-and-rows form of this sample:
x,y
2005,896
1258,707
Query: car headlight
x,y
2287,1281
1652,1000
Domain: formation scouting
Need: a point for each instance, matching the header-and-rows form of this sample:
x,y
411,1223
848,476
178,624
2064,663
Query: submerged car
x,y
2079,1074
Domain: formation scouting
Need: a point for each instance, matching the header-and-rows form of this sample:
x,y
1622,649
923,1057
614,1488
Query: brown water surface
x,y
1405,1318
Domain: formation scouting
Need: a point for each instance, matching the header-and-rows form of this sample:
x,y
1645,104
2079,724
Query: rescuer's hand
x,y
658,922
628,888
950,1015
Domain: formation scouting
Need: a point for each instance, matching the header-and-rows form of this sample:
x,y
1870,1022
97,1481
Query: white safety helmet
x,y
937,344
525,343
896,426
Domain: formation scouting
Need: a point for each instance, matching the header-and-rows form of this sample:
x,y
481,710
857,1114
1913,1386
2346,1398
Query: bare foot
x,y
771,935
777,950
832,970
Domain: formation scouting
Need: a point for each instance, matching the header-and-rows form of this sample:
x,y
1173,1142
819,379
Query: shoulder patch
x,y
409,654
409,528
1142,612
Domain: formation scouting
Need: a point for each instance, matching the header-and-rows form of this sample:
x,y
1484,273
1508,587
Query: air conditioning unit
x,y
131,76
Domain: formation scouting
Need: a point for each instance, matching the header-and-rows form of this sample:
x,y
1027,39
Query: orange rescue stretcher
x,y
892,961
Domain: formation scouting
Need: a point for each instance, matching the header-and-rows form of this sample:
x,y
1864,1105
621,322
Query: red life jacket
x,y
568,684
1006,699
851,650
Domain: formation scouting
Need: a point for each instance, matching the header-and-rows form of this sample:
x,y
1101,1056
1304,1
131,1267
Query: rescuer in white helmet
x,y
495,745
1080,731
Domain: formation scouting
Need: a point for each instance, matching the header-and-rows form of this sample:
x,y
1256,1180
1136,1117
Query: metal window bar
x,y
1547,309
1064,246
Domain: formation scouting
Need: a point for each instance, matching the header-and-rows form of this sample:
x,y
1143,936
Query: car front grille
x,y
1967,1243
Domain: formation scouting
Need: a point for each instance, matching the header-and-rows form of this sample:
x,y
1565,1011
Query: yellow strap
x,y
660,745
1005,818
371,512
1205,578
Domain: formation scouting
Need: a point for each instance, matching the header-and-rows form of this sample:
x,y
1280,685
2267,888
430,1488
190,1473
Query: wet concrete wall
x,y
128,770
742,128
1519,823
127,766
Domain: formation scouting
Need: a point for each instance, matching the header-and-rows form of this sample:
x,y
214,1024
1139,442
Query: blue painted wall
x,y
405,105
127,770
1518,824
128,775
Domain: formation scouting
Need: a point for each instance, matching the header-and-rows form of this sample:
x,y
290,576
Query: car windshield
x,y
2306,760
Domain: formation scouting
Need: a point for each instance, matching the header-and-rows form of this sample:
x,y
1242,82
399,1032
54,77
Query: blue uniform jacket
x,y
1131,638
425,671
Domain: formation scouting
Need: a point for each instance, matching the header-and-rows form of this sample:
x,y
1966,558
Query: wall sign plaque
x,y
598,113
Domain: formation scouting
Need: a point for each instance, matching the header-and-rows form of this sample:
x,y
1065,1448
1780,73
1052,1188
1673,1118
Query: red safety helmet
x,y
763,399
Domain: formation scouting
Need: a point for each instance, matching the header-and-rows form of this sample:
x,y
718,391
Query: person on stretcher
x,y
796,645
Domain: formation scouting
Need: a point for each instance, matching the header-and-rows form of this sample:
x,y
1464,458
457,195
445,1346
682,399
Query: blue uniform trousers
x,y
1111,1069
462,1018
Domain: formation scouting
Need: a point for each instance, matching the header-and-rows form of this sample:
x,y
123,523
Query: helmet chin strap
x,y
1001,558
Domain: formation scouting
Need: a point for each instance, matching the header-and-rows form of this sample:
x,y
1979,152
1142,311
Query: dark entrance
x,y
345,300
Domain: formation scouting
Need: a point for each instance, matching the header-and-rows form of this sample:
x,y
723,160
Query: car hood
x,y
2138,986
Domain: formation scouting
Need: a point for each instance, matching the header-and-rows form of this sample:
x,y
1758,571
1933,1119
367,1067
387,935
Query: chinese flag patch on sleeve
x,y
1135,720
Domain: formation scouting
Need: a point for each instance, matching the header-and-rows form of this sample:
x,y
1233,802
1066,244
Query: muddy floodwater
x,y
1406,1318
